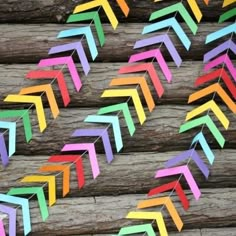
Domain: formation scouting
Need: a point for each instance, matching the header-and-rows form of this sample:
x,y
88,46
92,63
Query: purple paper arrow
x,y
3,151
229,44
80,51
161,39
186,155
103,133
11,212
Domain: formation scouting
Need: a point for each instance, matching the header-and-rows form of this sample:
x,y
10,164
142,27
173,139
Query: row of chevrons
x,y
26,95
103,117
218,56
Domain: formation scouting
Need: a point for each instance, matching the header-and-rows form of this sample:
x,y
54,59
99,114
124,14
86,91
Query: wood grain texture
x,y
116,179
99,78
159,133
18,46
106,214
57,11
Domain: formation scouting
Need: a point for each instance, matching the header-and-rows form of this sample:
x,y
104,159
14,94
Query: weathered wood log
x,y
103,215
54,11
13,80
29,43
129,173
158,134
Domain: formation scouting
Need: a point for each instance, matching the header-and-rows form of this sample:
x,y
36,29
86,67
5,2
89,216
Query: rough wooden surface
x,y
18,46
116,179
103,215
45,11
159,133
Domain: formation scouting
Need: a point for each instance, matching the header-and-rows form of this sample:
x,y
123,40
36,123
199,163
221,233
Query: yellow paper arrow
x,y
150,216
47,88
128,93
211,105
51,180
31,99
96,3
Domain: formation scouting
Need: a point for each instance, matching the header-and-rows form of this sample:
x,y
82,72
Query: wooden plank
x,y
55,11
117,178
158,134
103,215
29,43
12,81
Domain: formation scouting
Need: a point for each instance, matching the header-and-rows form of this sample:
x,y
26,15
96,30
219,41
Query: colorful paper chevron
x,y
26,95
113,121
219,68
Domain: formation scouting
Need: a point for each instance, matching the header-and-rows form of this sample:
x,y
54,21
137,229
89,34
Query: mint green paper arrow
x,y
204,120
24,114
136,229
94,16
36,191
178,7
127,115
114,120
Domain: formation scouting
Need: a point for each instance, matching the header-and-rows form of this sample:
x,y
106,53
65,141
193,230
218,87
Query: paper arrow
x,y
226,61
141,81
204,120
88,147
95,18
55,75
74,159
24,203
127,115
114,121
36,100
65,170
2,230
97,3
171,23
78,47
186,155
216,89
24,114
200,138
103,134
166,201
180,8
210,105
228,2
87,31
221,33
64,61
229,45
38,191
51,180
11,126
155,53
133,93
195,9
157,216
47,89
163,39
124,7
175,185
138,229
227,15
11,212
147,67
3,151
181,170
215,75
